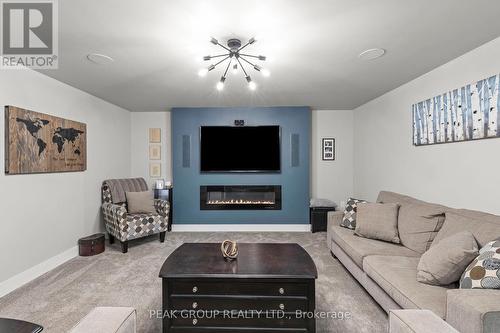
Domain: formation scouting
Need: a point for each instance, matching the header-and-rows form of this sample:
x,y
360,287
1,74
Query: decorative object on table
x,y
349,219
229,249
159,184
155,169
468,113
155,135
154,152
125,226
40,143
168,183
18,326
484,271
235,59
91,245
166,194
328,149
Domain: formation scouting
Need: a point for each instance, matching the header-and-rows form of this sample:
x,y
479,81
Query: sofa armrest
x,y
334,219
115,216
473,310
417,321
162,207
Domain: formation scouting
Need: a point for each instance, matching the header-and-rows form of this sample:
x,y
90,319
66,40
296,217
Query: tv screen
x,y
240,149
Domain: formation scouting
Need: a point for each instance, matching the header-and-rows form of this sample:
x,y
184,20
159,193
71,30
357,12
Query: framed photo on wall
x,y
328,149
155,135
154,152
155,170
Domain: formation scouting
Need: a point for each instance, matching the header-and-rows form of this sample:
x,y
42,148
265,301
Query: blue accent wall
x,y
294,180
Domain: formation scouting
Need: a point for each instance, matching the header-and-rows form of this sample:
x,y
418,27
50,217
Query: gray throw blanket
x,y
118,187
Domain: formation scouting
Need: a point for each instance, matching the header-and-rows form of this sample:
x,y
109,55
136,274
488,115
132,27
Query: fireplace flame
x,y
240,202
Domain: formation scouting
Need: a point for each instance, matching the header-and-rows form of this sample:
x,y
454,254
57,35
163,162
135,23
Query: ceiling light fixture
x,y
233,56
372,54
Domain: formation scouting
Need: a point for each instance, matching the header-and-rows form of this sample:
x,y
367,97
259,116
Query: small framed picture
x,y
155,135
160,184
155,170
328,149
154,152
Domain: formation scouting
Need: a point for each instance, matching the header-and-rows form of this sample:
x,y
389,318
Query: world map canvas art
x,y
467,113
40,143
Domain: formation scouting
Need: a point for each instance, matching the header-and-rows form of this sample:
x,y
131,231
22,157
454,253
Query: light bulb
x,y
220,86
203,72
265,72
235,69
252,85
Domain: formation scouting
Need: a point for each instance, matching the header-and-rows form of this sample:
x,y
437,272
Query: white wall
x,y
43,215
457,174
332,179
141,123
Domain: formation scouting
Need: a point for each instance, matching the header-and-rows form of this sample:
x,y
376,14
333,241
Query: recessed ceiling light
x,y
99,59
371,54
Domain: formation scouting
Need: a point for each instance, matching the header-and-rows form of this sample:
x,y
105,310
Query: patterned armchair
x,y
123,226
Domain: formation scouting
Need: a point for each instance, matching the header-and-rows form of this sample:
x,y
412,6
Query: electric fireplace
x,y
240,197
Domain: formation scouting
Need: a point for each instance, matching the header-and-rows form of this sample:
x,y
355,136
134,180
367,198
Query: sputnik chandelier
x,y
235,59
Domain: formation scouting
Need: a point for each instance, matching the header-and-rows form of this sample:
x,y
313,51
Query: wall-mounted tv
x,y
240,149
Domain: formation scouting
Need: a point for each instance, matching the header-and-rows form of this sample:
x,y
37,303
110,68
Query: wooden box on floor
x,y
91,245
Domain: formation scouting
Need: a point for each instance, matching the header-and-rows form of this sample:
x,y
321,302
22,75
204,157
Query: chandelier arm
x,y
249,55
241,65
220,55
253,65
222,61
227,68
241,48
225,48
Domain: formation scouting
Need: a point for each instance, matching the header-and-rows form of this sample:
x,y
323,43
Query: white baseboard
x,y
32,273
241,227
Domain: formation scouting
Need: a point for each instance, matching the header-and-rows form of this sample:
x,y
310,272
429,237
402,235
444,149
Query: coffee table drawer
x,y
235,330
240,322
234,287
290,304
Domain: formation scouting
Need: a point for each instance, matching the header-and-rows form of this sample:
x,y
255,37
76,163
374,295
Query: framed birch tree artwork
x,y
468,113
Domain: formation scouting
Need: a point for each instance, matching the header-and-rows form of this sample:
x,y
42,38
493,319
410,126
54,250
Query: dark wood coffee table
x,y
259,292
18,326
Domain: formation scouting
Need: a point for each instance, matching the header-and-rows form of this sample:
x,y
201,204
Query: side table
x,y
18,326
318,218
166,194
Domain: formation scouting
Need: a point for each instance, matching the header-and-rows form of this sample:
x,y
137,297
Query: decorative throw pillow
x,y
140,202
378,221
484,271
444,263
349,219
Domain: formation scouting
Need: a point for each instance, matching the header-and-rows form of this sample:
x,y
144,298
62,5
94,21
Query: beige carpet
x,y
58,299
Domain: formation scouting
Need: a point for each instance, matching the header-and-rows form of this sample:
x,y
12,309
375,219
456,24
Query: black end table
x,y
319,218
268,282
18,326
166,194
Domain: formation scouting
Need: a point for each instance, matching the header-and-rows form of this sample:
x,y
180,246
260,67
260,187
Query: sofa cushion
x,y
351,208
358,247
445,263
484,271
418,221
378,221
397,276
140,202
484,227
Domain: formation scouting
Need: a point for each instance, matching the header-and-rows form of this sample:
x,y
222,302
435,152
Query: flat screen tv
x,y
240,149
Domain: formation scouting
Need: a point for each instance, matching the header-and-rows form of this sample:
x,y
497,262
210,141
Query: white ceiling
x,y
312,46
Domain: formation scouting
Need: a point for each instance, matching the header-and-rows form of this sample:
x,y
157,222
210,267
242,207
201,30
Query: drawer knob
x,y
195,289
281,291
195,305
195,321
282,306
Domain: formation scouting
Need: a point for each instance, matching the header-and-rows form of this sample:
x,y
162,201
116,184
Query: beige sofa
x,y
388,272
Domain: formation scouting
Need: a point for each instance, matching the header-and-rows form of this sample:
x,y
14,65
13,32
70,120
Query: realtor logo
x,y
29,34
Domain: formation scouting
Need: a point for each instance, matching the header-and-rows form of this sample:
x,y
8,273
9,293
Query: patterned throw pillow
x,y
484,271
349,219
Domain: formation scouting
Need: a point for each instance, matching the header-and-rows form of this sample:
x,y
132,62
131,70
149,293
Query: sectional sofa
x,y
388,271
